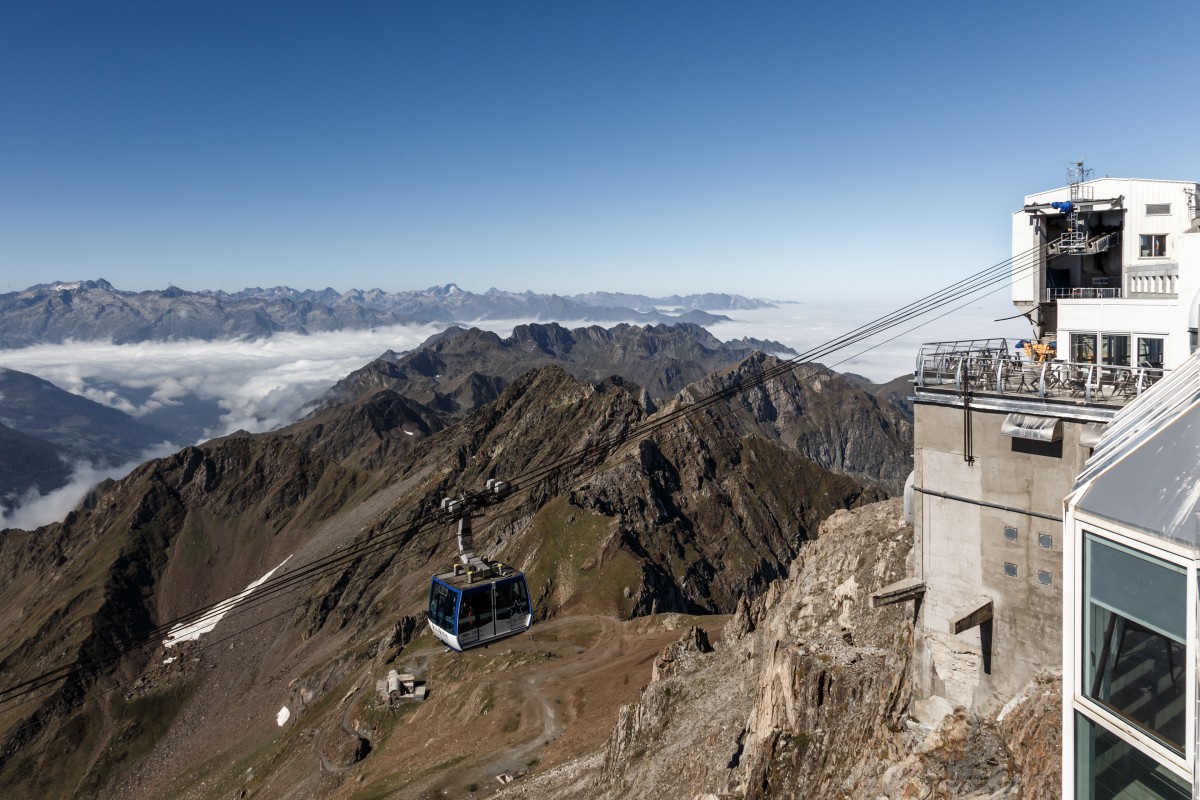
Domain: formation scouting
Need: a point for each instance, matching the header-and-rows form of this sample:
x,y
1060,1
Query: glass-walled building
x,y
1131,553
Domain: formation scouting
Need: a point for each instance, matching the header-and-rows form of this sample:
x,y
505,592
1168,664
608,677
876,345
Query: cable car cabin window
x,y
512,606
442,601
475,614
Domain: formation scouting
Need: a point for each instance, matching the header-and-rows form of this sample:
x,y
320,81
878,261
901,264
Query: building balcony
x,y
1081,293
990,367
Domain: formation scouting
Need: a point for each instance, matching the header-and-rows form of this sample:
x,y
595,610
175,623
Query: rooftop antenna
x,y
1075,238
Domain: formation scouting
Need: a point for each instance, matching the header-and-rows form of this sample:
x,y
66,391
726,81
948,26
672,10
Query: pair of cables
x,y
953,297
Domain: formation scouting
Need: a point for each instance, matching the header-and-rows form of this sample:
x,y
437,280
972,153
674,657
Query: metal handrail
x,y
996,371
1083,293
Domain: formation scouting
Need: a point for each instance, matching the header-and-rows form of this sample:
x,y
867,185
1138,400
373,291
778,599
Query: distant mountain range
x,y
662,359
95,310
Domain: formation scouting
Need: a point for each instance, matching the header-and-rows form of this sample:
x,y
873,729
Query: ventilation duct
x,y
1027,426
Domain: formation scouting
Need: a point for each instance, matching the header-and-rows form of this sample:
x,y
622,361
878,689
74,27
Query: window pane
x,y
476,609
505,595
1115,349
1108,768
1150,352
1135,658
441,607
1083,348
512,607
1152,245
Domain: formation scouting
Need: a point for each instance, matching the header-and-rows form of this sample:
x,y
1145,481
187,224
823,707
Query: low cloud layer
x,y
34,510
263,384
803,326
260,385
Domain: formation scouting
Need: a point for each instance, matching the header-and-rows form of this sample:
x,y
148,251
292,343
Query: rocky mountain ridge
x,y
460,369
689,518
94,310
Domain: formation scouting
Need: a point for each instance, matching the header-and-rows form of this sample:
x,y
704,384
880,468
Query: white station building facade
x,y
1101,406
1132,550
1106,267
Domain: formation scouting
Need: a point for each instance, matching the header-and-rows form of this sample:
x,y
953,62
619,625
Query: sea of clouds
x,y
262,384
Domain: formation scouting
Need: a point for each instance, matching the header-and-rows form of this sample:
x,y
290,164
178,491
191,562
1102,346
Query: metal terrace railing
x,y
988,366
1083,293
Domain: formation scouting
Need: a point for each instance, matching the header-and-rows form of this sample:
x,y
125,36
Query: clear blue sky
x,y
775,149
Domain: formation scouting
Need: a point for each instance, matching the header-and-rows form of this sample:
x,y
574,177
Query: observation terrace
x,y
989,373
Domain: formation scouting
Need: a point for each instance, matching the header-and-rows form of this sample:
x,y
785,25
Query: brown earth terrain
x,y
693,519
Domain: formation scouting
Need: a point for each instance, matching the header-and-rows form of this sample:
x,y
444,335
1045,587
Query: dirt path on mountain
x,y
515,759
327,766
561,707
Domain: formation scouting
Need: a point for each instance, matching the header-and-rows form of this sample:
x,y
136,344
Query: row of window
x,y
1044,539
1044,578
1115,349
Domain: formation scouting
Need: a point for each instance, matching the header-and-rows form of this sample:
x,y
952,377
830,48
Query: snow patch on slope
x,y
190,631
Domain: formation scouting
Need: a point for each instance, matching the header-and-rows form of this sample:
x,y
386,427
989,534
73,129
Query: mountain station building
x,y
1008,581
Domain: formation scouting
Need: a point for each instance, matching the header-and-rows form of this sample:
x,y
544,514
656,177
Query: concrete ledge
x,y
898,592
977,612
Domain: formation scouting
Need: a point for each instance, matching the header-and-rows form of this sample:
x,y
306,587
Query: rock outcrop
x,y
806,696
822,415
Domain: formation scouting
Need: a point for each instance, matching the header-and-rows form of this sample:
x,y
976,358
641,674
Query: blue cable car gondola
x,y
478,604
477,601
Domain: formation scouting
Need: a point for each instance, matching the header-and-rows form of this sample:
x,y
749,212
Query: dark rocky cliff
x,y
822,415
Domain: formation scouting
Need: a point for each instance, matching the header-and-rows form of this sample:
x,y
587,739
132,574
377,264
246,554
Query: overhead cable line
x,y
398,536
336,560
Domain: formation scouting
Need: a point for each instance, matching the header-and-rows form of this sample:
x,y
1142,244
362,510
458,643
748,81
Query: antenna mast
x,y
1075,238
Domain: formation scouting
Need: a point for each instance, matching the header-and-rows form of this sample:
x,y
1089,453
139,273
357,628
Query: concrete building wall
x,y
964,552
